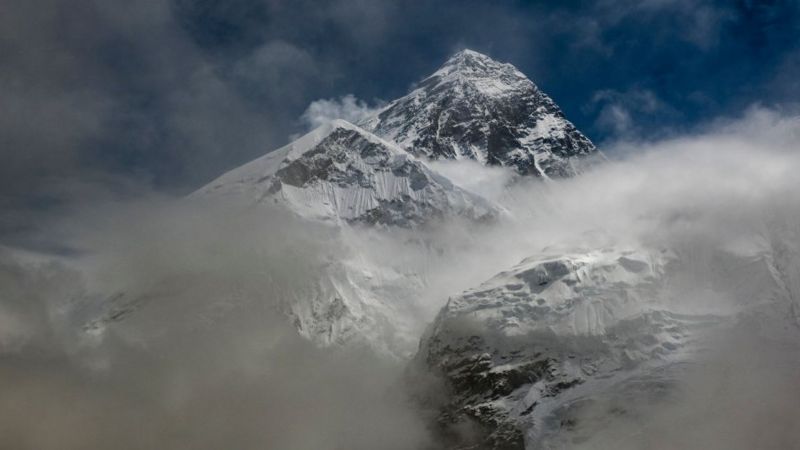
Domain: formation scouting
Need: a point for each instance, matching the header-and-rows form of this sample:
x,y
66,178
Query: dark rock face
x,y
330,161
490,378
400,212
477,108
520,352
485,374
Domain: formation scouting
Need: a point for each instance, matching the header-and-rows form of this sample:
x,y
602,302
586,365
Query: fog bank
x,y
200,354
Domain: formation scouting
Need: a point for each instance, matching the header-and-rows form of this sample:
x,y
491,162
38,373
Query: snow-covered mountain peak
x,y
477,108
468,54
340,172
472,61
310,140
481,73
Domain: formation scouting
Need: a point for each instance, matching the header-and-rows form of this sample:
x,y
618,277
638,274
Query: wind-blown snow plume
x,y
348,107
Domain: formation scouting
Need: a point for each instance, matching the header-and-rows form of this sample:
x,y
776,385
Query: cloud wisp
x,y
348,108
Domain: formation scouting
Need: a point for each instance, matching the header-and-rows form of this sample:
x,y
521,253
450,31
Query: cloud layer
x,y
207,359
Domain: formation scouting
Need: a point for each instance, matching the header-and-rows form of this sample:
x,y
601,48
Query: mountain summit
x,y
339,172
477,108
489,76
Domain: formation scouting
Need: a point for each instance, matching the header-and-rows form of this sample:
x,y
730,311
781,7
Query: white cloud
x,y
348,108
488,182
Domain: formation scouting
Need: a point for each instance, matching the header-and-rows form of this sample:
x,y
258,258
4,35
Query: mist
x,y
204,358
197,351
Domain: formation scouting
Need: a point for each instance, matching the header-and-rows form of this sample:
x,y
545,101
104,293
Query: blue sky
x,y
108,97
668,64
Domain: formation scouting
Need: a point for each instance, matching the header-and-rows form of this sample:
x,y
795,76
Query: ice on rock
x,y
474,107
